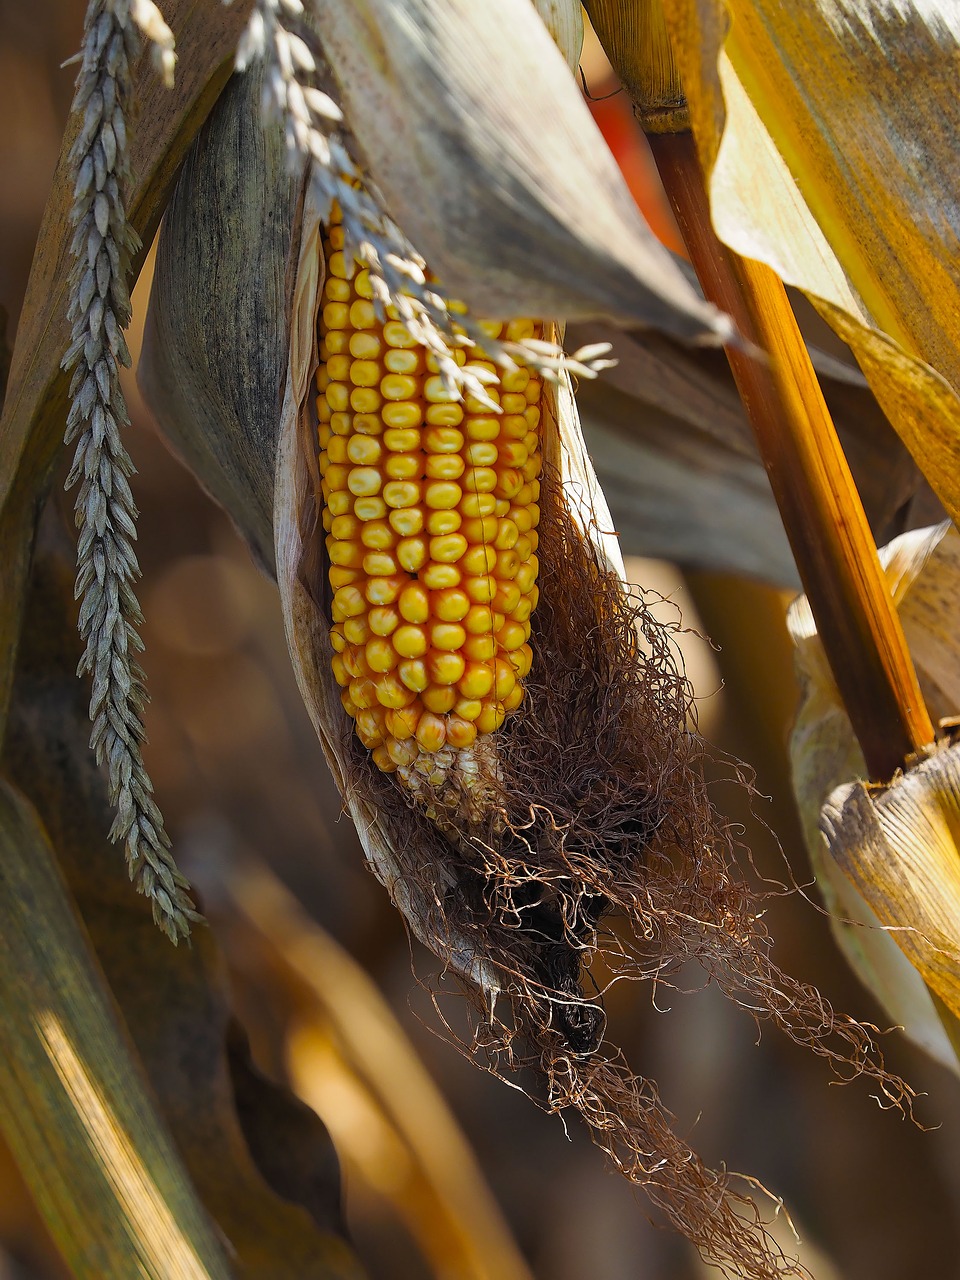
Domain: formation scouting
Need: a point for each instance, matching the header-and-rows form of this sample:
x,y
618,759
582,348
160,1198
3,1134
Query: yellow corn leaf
x,y
476,134
74,1106
351,1061
829,131
889,858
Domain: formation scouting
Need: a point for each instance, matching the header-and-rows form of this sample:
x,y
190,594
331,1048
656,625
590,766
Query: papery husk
x,y
564,21
518,206
884,859
596,805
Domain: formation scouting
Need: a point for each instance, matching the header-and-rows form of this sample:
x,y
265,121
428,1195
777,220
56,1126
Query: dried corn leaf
x,y
344,1036
219,412
829,131
74,1106
677,459
517,205
923,569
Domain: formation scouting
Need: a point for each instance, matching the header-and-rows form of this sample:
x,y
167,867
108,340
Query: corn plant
x,y
418,213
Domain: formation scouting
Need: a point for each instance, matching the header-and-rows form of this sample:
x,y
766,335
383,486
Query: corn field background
x,y
443,1172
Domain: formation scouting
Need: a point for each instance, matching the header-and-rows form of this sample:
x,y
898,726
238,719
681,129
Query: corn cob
x,y
430,511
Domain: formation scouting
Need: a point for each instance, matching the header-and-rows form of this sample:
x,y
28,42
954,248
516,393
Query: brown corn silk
x,y
594,844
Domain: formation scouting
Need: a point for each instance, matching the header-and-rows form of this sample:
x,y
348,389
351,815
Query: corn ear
x,y
308,623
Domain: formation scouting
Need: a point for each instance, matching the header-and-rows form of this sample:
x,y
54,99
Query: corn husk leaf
x,y
518,207
219,407
888,870
74,1106
829,134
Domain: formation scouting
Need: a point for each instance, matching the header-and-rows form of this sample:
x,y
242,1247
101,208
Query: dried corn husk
x,y
886,861
564,20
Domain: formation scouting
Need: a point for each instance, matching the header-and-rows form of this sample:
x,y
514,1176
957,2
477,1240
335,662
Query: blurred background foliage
x,y
418,1129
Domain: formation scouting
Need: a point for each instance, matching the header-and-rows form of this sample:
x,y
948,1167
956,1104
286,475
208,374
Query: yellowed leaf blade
x,y
460,1214
827,114
73,1105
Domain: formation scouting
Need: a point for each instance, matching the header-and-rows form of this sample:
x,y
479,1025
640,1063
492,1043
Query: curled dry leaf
x,y
518,210
677,459
888,860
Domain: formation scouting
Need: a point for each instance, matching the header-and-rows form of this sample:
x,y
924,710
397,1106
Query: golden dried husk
x,y
886,859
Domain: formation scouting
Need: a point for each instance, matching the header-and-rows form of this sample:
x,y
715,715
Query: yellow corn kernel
x,y
413,674
441,522
414,602
431,732
444,467
375,535
383,760
402,415
381,655
411,641
393,693
448,548
445,415
451,605
402,724
406,521
430,511
439,576
445,667
477,680
461,733
412,553
480,648
491,717
439,699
